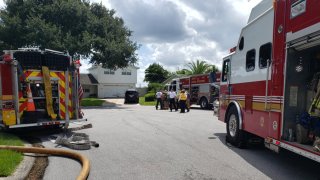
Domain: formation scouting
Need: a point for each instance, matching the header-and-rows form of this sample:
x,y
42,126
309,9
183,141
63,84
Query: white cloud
x,y
174,32
1,4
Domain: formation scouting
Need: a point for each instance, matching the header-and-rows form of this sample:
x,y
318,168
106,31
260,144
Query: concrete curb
x,y
24,167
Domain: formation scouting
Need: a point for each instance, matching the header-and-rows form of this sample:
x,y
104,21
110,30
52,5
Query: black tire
x,y
234,135
5,129
57,126
204,103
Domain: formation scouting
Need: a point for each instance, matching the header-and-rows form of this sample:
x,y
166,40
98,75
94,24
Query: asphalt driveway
x,y
139,142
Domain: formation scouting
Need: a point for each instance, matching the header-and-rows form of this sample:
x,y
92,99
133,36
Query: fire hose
x,y
57,152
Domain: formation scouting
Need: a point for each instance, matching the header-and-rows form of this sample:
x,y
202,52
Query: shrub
x,y
143,103
149,97
155,86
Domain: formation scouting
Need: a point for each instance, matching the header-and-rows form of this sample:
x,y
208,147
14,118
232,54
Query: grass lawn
x,y
91,102
143,103
9,160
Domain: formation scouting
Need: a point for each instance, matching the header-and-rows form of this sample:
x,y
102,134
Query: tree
x,y
82,28
153,87
212,68
155,73
198,67
182,71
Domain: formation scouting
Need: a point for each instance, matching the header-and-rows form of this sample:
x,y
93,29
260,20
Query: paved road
x,y
139,142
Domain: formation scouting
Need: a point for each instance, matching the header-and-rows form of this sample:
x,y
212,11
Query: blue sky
x,y
175,32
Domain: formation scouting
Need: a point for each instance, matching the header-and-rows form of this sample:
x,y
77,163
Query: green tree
x,y
182,71
212,68
153,87
82,28
155,73
197,67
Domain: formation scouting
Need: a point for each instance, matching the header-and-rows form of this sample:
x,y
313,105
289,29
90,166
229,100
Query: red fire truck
x,y
203,88
269,83
38,88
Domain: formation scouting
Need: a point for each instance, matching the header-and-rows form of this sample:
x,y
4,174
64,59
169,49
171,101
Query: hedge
x,y
149,97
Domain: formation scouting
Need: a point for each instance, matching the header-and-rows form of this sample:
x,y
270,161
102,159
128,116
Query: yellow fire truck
x,y
39,88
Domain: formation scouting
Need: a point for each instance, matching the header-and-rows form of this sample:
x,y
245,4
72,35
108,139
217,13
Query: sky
x,y
175,32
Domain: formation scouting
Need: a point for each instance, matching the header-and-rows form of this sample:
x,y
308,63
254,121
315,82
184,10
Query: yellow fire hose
x,y
57,152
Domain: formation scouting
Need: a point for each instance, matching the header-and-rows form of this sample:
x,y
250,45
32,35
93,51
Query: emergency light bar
x,y
7,58
233,49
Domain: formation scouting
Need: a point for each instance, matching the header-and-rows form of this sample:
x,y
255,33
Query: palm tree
x,y
198,67
182,71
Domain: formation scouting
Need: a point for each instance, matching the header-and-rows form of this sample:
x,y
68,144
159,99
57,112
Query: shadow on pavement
x,y
285,165
195,107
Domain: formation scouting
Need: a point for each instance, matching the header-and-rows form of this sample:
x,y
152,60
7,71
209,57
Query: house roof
x,y
96,66
88,79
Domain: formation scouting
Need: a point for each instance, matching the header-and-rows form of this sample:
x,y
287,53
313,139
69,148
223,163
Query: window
x,y
126,72
109,71
250,60
225,70
87,90
241,44
264,55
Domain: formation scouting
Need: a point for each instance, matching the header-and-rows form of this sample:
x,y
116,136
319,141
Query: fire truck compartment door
x,y
9,117
305,42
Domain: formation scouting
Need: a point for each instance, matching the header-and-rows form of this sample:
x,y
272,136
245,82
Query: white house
x,y
114,83
89,85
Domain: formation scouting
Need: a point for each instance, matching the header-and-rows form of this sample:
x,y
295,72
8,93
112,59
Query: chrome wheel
x,y
232,125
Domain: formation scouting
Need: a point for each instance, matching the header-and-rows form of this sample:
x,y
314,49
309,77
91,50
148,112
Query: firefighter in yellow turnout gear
x,y
182,101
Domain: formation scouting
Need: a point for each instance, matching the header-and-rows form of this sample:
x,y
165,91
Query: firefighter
x,y
182,101
159,100
172,100
164,98
188,101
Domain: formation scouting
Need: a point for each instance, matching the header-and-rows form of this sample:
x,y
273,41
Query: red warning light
x,y
7,58
233,49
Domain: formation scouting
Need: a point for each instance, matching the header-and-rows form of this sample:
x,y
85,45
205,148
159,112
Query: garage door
x,y
114,91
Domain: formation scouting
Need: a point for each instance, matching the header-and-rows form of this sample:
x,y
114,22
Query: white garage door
x,y
114,91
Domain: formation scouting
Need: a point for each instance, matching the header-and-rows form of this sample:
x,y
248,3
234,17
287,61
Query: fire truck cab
x,y
38,88
270,82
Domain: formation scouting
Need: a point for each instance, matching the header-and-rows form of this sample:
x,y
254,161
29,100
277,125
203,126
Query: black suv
x,y
131,96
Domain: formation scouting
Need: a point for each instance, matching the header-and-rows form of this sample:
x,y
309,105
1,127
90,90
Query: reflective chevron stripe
x,y
22,104
61,82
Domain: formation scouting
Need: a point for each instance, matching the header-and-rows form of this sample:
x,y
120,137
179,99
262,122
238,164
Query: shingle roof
x,y
88,79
